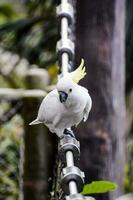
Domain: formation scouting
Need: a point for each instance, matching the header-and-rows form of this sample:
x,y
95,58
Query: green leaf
x,y
7,10
98,187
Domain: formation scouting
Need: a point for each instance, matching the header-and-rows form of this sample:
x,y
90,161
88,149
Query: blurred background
x,y
103,34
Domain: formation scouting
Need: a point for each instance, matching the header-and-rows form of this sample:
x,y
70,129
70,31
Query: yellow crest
x,y
79,73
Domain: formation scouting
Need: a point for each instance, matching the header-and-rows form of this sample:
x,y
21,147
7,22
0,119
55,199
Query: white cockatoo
x,y
67,105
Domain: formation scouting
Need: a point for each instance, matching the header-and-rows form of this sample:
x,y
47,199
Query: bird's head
x,y
67,85
66,89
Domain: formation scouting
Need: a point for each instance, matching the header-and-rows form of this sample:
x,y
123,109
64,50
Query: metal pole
x,y
65,49
69,159
64,65
73,187
72,180
64,28
70,163
64,36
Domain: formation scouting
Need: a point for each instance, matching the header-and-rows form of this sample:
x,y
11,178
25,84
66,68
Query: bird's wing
x,y
49,107
42,113
87,108
34,122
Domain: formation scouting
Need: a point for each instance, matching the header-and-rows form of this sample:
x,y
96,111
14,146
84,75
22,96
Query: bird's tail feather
x,y
36,121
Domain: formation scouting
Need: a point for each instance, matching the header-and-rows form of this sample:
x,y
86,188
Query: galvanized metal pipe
x,y
64,65
64,28
69,159
73,187
70,163
64,36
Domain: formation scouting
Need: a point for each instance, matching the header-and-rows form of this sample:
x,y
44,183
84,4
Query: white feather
x,y
35,122
58,116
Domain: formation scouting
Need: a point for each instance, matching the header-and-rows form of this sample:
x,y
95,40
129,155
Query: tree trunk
x,y
40,148
100,34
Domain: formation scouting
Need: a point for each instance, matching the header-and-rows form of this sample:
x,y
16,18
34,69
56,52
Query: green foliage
x,y
27,30
128,171
10,140
128,185
34,35
7,10
3,83
98,187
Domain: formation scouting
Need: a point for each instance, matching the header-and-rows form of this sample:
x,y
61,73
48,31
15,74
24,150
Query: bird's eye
x,y
70,90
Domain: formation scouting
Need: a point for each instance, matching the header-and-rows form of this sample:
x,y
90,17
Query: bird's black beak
x,y
62,96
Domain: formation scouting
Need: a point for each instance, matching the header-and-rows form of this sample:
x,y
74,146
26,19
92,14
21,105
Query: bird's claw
x,y
69,133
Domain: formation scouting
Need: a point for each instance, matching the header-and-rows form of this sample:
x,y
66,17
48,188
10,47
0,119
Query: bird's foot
x,y
69,133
